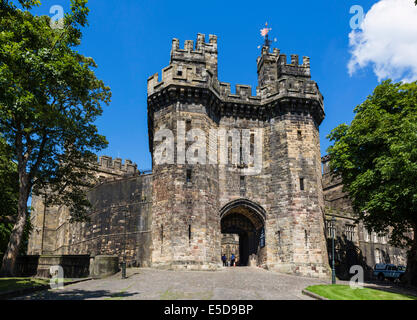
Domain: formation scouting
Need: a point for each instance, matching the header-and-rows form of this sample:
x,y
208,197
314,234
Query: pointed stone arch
x,y
247,219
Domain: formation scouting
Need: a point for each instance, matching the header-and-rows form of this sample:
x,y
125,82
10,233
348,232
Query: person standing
x,y
224,259
232,260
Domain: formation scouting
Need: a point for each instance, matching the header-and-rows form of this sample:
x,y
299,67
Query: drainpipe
x,y
43,222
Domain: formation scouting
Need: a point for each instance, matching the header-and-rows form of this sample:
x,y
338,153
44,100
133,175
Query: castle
x,y
183,213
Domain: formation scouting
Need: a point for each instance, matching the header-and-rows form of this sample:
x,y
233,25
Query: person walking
x,y
232,260
224,259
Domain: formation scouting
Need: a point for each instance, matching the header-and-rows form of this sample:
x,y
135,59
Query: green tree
x,y
49,101
9,196
376,156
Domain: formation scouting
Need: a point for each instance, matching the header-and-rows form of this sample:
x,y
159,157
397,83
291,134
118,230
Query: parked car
x,y
384,271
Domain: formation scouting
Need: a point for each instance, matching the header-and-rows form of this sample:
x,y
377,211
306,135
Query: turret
x,y
203,56
274,73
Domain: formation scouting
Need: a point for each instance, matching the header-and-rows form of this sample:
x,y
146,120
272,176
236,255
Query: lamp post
x,y
333,235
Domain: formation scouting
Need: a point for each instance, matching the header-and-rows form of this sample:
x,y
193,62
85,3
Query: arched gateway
x,y
245,219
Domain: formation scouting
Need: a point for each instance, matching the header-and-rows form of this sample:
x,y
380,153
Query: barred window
x,y
366,235
378,256
350,232
331,229
382,238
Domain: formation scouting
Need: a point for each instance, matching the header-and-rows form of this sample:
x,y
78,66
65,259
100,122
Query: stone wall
x,y
52,228
120,221
288,109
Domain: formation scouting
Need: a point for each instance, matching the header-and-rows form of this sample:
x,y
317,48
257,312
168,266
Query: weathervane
x,y
264,33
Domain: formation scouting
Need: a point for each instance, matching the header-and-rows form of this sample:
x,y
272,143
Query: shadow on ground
x,y
391,287
78,294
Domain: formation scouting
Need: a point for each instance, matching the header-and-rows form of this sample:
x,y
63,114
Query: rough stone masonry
x,y
284,201
174,218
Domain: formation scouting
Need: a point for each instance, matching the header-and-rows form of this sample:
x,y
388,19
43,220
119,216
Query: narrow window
x,y
279,237
162,234
262,238
306,237
189,175
242,185
188,125
331,229
350,232
300,135
229,150
366,235
252,144
302,184
189,233
377,256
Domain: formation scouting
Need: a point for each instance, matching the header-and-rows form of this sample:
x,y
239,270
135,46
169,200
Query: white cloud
x,y
387,40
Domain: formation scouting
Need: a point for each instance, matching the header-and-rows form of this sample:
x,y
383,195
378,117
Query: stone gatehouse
x,y
177,215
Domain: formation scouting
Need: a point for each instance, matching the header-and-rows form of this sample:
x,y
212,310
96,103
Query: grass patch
x,y
343,292
12,284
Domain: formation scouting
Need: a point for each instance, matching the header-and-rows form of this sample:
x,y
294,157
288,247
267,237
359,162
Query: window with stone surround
x,y
188,126
331,229
377,256
279,237
350,232
382,238
366,235
189,175
302,187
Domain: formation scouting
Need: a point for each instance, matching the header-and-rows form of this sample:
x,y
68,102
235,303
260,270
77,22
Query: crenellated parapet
x,y
187,75
192,76
116,167
294,69
203,55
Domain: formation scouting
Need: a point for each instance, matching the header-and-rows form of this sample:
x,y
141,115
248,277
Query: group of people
x,y
232,260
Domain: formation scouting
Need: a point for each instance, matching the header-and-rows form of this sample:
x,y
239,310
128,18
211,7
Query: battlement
x,y
192,75
201,45
116,166
294,68
193,72
203,55
242,92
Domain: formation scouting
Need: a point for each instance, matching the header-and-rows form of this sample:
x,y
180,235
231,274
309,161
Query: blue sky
x,y
131,40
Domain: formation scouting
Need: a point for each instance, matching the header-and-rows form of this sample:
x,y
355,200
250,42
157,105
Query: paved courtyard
x,y
150,284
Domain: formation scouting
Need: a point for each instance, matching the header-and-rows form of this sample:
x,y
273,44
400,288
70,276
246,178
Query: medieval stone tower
x,y
255,173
